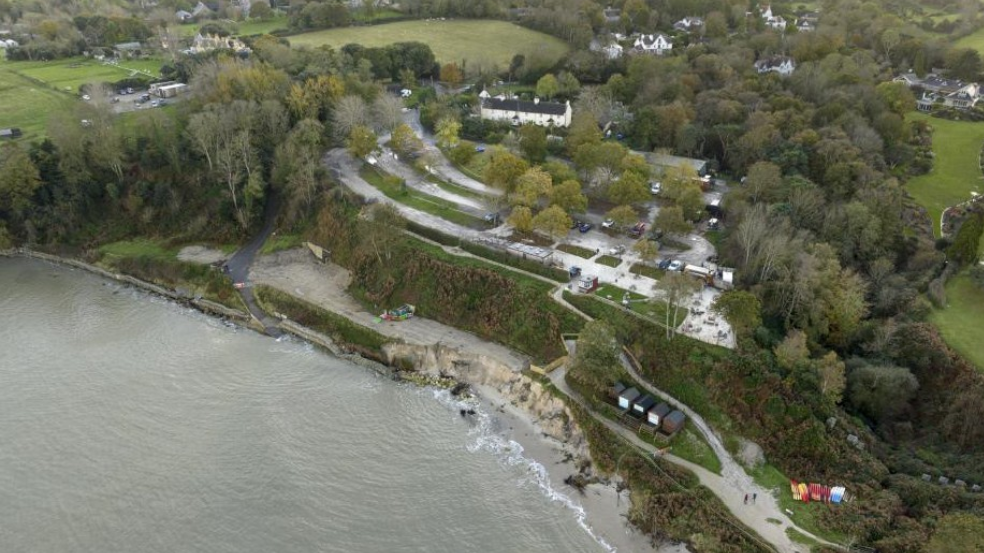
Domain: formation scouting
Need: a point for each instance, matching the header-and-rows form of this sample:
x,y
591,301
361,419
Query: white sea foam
x,y
489,438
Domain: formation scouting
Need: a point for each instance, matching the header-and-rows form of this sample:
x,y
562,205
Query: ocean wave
x,y
489,437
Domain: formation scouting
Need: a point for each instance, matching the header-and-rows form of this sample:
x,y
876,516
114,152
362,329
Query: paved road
x,y
443,167
239,264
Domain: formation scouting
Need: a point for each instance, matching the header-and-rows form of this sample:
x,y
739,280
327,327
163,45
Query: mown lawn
x,y
576,250
473,40
974,40
67,75
961,321
955,171
25,104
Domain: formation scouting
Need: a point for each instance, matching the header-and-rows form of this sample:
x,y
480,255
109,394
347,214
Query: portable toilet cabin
x,y
656,414
673,422
626,398
642,405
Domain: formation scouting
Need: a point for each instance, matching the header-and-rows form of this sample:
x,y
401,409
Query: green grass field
x,y
25,104
961,321
974,40
473,40
69,74
955,171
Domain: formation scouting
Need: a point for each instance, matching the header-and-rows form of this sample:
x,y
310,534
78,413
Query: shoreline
x,y
599,509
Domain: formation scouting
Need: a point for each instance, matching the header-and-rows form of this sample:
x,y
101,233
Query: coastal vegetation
x,y
839,373
346,333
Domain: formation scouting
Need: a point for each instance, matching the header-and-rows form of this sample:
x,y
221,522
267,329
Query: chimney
x,y
536,100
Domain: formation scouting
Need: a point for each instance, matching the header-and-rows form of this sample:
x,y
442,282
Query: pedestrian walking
x,y
746,499
754,497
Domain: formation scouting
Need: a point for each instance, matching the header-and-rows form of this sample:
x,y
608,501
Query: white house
x,y
805,26
964,98
689,24
653,44
774,21
9,43
613,51
183,16
205,43
520,112
776,64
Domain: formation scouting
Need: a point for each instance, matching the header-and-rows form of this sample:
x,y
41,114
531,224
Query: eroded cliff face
x,y
549,413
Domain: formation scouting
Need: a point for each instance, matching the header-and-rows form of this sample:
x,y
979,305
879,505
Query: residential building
x,y
183,16
521,112
612,15
613,51
775,21
207,43
201,10
689,24
805,26
653,44
932,83
783,65
126,49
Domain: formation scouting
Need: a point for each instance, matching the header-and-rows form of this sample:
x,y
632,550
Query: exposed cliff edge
x,y
549,413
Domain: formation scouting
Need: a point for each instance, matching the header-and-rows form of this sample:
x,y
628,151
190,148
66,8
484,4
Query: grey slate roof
x,y
546,108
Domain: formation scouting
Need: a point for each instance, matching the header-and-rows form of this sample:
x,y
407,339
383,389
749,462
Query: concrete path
x,y
238,267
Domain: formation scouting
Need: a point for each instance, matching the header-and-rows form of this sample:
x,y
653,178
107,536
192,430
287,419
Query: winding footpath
x,y
731,486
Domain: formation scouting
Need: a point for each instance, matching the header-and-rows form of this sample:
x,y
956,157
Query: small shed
x,y
656,414
616,390
627,397
587,283
12,132
673,422
642,405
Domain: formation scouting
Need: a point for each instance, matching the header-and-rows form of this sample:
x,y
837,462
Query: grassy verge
x,y
805,515
690,445
955,174
338,327
576,250
498,256
495,42
609,260
281,242
457,190
394,189
153,262
960,322
799,537
647,271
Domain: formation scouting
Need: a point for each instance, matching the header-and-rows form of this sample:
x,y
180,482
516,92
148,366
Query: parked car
x,y
115,100
492,218
608,223
664,263
712,223
655,187
584,227
575,223
480,148
637,230
86,97
617,250
675,265
155,103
